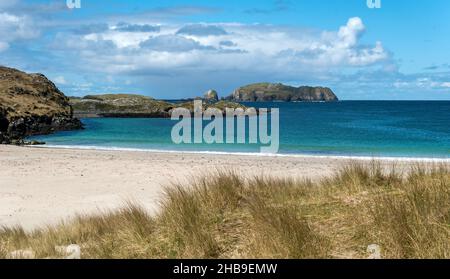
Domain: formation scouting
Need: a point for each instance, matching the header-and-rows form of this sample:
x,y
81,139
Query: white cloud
x,y
256,48
423,83
60,80
349,34
13,27
3,46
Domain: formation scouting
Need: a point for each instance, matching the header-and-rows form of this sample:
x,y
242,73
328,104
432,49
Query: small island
x,y
270,92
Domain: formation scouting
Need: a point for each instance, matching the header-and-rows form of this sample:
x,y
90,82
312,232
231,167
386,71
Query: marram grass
x,y
226,216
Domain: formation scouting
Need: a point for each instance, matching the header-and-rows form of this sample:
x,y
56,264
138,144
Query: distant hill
x,y
268,92
130,105
31,104
120,105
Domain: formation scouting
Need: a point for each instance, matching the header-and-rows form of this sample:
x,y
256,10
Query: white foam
x,y
343,157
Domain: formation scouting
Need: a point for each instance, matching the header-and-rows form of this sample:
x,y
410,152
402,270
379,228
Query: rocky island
x,y
30,104
269,92
131,105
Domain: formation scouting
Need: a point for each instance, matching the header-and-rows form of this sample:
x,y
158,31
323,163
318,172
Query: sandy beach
x,y
42,186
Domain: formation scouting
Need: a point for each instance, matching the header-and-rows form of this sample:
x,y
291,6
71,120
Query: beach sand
x,y
43,186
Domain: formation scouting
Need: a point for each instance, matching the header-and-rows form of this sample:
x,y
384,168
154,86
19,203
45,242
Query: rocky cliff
x,y
267,92
30,104
211,95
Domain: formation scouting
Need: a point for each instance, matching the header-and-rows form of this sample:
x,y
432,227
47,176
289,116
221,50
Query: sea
x,y
392,129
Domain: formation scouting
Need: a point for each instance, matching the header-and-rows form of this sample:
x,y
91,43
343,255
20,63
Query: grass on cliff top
x,y
226,216
267,87
112,97
118,103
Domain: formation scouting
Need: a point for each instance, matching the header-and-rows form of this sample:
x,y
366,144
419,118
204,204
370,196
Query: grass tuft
x,y
223,215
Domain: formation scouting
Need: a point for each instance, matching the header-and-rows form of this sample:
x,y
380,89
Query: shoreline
x,y
44,186
251,154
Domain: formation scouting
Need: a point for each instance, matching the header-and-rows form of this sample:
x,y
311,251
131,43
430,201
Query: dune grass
x,y
226,216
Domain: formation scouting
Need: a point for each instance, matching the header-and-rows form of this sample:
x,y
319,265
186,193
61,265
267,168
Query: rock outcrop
x,y
211,96
268,92
30,104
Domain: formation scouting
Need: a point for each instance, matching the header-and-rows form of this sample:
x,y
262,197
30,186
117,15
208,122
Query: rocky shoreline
x,y
20,128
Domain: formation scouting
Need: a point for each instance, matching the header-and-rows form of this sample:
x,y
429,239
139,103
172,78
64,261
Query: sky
x,y
173,49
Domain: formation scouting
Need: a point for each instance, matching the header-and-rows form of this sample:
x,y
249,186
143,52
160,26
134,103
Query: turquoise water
x,y
353,128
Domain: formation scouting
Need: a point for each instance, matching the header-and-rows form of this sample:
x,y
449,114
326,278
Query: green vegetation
x,y
226,216
119,103
268,92
27,95
129,105
30,104
117,97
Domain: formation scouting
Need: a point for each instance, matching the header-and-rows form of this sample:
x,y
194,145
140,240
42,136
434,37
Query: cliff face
x,y
266,92
30,104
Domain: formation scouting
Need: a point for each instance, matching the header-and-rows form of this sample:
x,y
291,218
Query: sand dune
x,y
40,186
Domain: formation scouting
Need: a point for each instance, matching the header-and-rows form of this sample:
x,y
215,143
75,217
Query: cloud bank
x,y
172,59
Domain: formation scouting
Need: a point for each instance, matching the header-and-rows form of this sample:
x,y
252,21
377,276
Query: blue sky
x,y
175,49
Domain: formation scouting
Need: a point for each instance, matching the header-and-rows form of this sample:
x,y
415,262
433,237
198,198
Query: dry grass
x,y
226,216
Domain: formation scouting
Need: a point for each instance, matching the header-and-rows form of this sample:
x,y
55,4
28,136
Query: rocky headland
x,y
270,92
130,105
30,104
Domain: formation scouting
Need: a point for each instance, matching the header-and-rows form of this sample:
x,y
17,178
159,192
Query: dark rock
x,y
34,142
4,123
211,96
3,139
17,142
